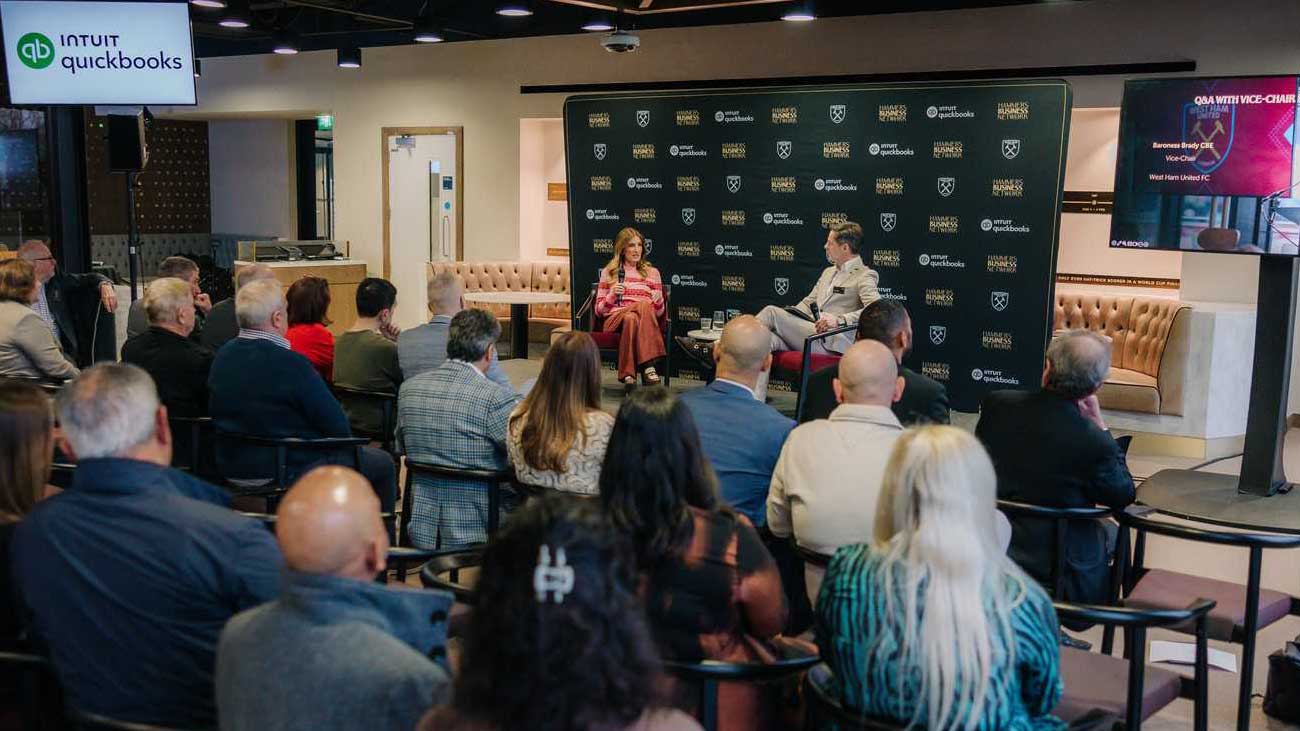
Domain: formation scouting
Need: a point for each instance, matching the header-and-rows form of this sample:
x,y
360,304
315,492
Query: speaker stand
x,y
133,234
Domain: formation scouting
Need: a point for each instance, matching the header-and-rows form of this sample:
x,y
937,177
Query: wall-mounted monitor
x,y
1208,165
88,53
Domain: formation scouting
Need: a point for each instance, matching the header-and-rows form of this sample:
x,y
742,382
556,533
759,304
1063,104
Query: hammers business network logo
x,y
35,51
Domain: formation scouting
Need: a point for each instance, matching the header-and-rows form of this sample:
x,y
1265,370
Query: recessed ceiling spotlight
x,y
800,12
209,3
599,24
286,44
236,15
350,57
515,10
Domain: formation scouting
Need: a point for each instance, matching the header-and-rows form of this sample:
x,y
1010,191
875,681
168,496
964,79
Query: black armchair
x,y
278,483
193,437
451,563
708,674
383,401
807,362
494,481
825,710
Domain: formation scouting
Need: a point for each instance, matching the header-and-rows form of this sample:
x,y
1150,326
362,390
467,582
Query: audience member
x,y
825,485
557,612
930,624
259,387
455,417
424,347
369,645
744,462
309,300
1052,447
179,366
630,299
365,356
221,325
712,591
27,446
924,400
174,267
27,346
132,572
558,434
68,303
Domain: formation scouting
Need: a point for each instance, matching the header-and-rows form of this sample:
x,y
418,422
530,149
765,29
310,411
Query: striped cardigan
x,y
635,287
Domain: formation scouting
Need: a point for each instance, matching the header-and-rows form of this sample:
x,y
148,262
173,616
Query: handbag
x,y
1282,695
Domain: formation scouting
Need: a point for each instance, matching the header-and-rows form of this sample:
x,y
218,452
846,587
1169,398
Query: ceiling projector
x,y
621,42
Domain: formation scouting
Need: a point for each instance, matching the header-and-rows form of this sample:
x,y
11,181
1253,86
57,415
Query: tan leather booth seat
x,y
516,276
1148,347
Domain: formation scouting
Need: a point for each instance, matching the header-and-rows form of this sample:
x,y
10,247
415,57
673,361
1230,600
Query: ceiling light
x,y
285,43
236,15
515,10
198,68
425,30
209,3
350,58
598,24
801,12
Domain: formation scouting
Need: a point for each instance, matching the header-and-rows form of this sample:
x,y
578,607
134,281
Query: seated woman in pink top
x,y
308,300
632,305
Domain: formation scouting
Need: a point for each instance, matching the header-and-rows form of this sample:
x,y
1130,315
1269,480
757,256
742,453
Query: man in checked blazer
x,y
455,417
843,290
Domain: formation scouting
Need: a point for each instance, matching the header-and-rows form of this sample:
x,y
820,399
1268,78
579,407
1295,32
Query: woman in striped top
x,y
632,304
932,625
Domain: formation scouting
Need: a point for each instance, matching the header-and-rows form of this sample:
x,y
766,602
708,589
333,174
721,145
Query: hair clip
x,y
555,578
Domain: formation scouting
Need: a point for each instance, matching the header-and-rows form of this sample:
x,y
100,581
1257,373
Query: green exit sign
x,y
325,122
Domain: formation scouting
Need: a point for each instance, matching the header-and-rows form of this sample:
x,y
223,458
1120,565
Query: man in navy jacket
x,y
741,435
259,387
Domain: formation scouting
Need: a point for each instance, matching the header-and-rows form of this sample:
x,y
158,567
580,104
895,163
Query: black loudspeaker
x,y
127,151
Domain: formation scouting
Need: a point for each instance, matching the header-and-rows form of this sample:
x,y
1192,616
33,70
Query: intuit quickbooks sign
x,y
98,52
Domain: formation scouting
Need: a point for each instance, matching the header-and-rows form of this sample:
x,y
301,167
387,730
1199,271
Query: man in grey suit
x,y
455,417
423,348
842,291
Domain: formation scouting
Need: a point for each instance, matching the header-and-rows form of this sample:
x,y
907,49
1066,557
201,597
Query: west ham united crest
x,y
1010,149
888,221
784,148
838,113
947,186
1213,127
599,150
688,216
733,183
999,300
782,285
938,333
643,117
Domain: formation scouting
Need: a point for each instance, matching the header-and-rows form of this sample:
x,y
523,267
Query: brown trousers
x,y
640,341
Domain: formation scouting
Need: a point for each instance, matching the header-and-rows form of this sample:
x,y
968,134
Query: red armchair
x,y
585,319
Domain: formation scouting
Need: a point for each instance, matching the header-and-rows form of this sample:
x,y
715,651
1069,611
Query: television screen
x,y
105,53
1208,165
19,163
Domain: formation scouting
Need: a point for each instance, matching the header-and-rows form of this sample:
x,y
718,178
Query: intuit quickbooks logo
x,y
35,51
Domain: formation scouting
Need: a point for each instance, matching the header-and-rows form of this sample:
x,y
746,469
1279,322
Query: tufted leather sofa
x,y
1149,338
516,276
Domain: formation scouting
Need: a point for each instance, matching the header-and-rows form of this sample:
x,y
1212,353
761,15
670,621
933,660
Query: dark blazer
x,y
924,401
1046,453
220,326
74,303
742,438
257,387
179,368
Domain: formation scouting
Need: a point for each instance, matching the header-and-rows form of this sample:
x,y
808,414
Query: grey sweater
x,y
333,653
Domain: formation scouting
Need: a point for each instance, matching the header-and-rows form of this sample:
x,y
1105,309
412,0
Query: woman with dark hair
x,y
558,434
26,451
630,298
308,300
712,590
557,640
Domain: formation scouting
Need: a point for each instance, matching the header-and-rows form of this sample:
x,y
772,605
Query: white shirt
x,y
737,384
275,337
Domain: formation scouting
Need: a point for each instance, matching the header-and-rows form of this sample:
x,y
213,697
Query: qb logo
x,y
924,260
35,51
986,224
931,112
977,375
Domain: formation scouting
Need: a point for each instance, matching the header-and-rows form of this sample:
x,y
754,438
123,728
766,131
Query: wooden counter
x,y
343,276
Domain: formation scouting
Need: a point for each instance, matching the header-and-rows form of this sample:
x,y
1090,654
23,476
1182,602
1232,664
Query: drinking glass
x,y
706,323
718,320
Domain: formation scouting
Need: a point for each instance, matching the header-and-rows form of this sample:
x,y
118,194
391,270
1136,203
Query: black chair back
x,y
195,445
284,446
1060,518
451,563
84,721
32,678
827,711
709,674
494,481
384,402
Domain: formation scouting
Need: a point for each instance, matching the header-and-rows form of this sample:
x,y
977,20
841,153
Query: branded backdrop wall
x,y
957,188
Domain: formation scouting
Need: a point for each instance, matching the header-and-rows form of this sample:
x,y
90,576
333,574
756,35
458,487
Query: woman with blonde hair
x,y
28,348
931,624
26,451
558,434
630,298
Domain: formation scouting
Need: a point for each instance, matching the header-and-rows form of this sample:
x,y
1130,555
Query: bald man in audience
x,y
741,435
337,650
421,349
221,325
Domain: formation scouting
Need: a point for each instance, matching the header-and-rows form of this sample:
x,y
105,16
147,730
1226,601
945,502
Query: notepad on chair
x,y
1184,653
